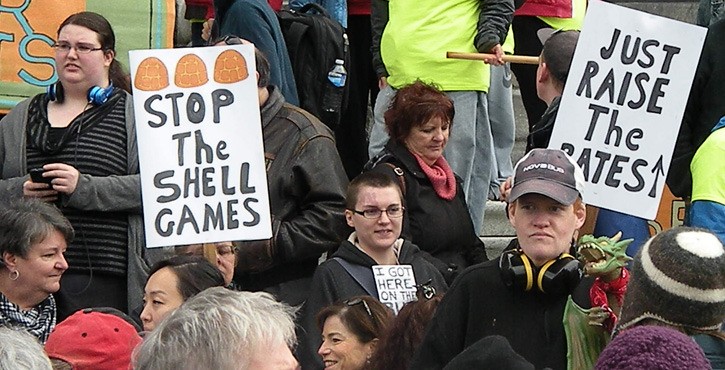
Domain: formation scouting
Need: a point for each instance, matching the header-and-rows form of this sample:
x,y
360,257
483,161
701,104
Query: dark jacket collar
x,y
353,254
272,106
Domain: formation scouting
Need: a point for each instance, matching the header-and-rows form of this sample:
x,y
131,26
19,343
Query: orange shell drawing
x,y
190,72
230,67
151,75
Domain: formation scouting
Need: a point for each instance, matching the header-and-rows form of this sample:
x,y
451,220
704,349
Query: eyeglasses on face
x,y
222,250
225,250
64,48
392,212
357,301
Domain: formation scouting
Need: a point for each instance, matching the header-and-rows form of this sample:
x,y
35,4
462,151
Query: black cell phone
x,y
36,174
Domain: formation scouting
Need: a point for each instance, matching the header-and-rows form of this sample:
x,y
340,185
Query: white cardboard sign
x,y
396,285
623,104
201,154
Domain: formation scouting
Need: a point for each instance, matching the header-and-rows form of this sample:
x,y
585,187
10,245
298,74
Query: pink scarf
x,y
440,176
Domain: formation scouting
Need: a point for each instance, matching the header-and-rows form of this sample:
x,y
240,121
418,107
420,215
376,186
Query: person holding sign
x,y
306,183
78,142
551,76
375,209
521,295
437,219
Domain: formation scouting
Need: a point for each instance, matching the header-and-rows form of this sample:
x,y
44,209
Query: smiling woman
x,y
33,238
350,332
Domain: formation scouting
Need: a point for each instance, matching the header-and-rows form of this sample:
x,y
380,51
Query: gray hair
x,y
25,222
217,329
21,351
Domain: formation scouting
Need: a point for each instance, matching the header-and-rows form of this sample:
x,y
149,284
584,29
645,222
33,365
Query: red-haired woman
x,y
436,219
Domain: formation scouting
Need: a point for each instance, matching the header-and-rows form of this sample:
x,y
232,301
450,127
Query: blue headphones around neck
x,y
96,94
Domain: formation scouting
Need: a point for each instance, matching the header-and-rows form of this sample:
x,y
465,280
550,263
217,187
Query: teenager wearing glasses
x,y
436,216
375,209
81,140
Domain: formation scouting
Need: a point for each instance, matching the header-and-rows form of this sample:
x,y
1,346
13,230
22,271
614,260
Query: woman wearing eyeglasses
x,y
436,216
375,209
350,332
223,255
78,142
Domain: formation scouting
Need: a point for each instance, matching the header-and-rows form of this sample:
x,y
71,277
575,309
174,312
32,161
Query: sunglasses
x,y
357,301
228,40
425,290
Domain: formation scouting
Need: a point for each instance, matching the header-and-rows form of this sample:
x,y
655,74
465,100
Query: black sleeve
x,y
378,20
445,335
679,177
493,23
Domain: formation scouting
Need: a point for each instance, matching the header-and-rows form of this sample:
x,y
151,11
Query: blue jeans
x,y
468,150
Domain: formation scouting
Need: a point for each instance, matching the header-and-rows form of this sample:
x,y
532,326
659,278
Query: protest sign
x,y
28,29
623,104
396,285
201,154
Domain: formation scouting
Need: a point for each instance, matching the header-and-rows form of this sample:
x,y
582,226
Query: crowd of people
x,y
79,289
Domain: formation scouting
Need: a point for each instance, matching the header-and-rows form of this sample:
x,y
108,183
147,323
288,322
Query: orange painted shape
x,y
190,72
151,75
230,67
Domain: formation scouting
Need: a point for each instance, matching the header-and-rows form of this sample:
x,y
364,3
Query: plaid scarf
x,y
38,321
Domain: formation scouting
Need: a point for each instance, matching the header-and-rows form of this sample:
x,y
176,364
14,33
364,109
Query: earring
x,y
14,275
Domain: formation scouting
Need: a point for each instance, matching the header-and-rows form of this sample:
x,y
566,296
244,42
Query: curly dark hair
x,y
397,347
414,105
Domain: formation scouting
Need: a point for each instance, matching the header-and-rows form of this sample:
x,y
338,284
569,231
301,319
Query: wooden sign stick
x,y
520,59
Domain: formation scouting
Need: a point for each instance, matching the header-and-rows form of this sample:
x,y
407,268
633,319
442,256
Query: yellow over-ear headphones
x,y
556,276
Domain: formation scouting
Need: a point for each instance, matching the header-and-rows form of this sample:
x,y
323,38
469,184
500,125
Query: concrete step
x,y
497,230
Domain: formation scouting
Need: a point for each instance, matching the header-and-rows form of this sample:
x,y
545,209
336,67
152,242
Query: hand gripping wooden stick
x,y
520,59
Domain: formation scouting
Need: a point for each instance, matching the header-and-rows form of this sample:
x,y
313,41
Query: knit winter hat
x,y
94,340
650,347
678,277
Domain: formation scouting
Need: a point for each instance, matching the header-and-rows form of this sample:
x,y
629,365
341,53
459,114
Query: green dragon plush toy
x,y
588,330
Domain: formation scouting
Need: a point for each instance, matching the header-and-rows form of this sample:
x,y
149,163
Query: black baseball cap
x,y
548,172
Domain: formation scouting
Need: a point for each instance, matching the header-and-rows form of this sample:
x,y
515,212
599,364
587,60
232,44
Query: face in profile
x,y
161,297
341,349
545,227
376,233
39,272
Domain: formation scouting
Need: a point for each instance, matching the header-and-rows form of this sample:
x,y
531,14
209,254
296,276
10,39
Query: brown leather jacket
x,y
307,186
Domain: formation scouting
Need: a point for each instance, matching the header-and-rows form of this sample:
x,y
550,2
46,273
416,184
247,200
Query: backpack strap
x,y
401,178
382,157
361,274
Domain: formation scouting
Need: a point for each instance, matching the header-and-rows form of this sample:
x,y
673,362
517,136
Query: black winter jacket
x,y
442,228
705,107
306,184
540,134
333,283
480,304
